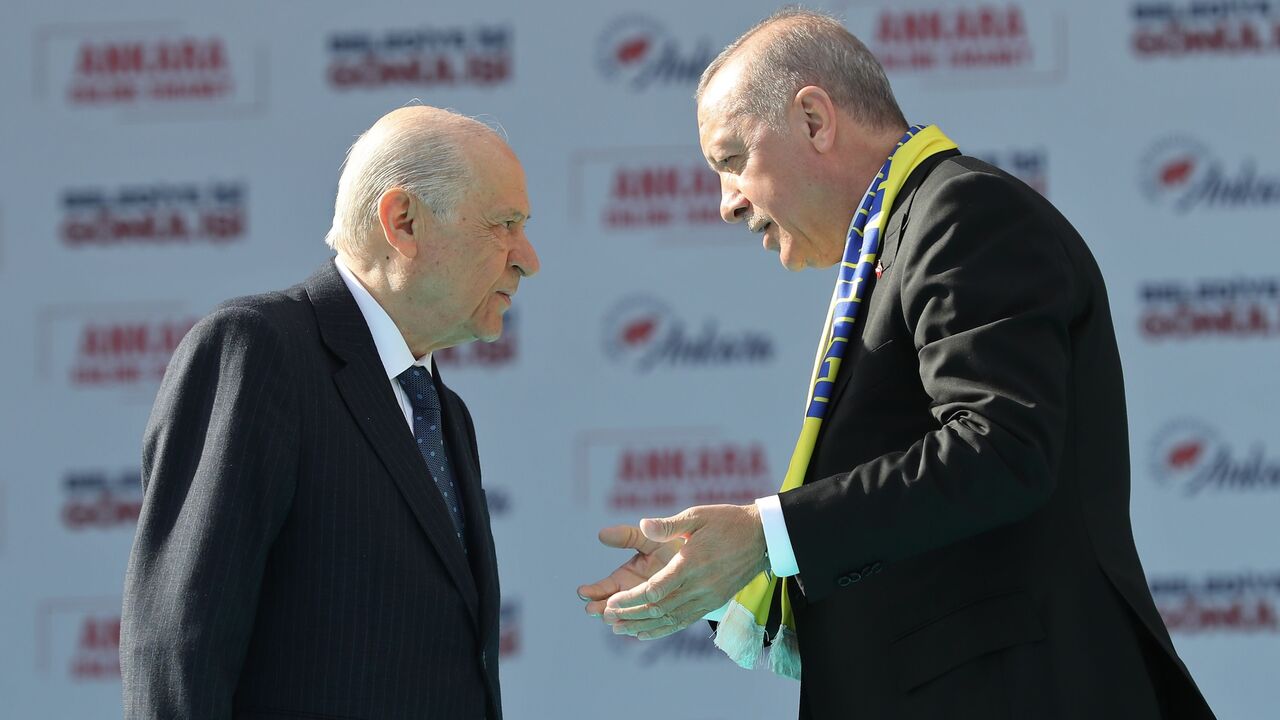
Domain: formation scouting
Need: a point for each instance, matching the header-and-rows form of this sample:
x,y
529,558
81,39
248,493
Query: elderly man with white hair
x,y
314,539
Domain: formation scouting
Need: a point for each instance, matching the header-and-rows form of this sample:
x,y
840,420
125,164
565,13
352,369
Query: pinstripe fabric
x,y
293,558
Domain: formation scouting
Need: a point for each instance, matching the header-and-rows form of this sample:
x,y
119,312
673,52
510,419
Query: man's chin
x,y
492,332
792,264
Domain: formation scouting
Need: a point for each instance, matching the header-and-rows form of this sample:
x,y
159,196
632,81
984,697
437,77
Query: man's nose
x,y
524,258
734,206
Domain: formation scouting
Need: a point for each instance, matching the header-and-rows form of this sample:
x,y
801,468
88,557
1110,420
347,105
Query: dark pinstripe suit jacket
x,y
293,557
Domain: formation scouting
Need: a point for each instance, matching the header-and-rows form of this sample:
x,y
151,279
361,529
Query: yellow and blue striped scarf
x,y
741,633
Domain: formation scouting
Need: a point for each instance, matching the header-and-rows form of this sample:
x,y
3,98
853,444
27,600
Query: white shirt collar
x,y
392,349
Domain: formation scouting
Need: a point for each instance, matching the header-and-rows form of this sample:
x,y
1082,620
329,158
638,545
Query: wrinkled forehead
x,y
718,107
500,177
722,128
716,119
719,91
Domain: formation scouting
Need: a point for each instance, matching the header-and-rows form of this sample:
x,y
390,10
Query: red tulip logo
x,y
633,50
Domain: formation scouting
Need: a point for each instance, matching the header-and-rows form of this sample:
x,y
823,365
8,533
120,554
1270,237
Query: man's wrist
x,y
762,564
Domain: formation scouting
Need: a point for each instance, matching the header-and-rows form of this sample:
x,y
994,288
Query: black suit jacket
x,y
963,533
294,558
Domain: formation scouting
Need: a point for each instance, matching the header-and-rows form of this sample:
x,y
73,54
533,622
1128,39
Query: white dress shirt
x,y
393,351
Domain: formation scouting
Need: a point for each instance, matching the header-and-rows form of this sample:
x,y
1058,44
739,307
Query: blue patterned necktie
x,y
429,432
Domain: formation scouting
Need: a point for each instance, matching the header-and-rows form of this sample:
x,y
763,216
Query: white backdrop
x,y
159,159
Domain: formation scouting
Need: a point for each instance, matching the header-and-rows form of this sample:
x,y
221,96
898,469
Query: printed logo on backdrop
x,y
1182,174
1030,165
1243,603
510,630
437,56
101,500
124,347
639,52
147,67
659,471
1215,309
939,40
79,639
154,214
502,353
643,334
1190,457
666,193
1180,29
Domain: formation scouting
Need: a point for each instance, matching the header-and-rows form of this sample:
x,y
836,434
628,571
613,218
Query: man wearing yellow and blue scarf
x,y
952,537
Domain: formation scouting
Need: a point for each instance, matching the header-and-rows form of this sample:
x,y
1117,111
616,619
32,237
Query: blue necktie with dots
x,y
429,432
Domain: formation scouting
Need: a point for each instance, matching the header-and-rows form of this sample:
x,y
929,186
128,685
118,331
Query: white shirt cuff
x,y
782,558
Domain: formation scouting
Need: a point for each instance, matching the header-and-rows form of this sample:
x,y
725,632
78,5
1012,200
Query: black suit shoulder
x,y
285,311
963,189
265,328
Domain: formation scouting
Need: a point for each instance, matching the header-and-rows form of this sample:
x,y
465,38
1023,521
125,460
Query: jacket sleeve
x,y
987,293
219,463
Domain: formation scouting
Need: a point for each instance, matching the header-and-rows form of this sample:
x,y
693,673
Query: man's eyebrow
x,y
720,150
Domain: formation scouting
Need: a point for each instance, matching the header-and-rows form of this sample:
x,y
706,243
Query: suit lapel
x,y
363,384
894,228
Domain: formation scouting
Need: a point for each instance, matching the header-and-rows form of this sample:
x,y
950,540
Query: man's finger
x,y
663,583
638,612
595,608
598,594
627,537
666,623
660,618
600,590
661,530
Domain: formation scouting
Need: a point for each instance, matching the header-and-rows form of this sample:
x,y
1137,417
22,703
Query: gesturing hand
x,y
651,556
723,549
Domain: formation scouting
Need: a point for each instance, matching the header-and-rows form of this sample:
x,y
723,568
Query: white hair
x,y
424,159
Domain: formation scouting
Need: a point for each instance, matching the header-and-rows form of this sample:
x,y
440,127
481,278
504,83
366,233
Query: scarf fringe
x,y
784,654
740,637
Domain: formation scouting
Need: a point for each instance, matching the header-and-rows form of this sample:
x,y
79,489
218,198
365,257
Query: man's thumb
x,y
665,529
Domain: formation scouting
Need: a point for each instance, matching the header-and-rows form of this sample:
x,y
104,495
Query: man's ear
x,y
819,116
397,214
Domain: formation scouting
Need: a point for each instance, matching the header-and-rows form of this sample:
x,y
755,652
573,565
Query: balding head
x,y
423,150
759,73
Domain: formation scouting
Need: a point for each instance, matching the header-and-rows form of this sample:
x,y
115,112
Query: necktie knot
x,y
416,382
